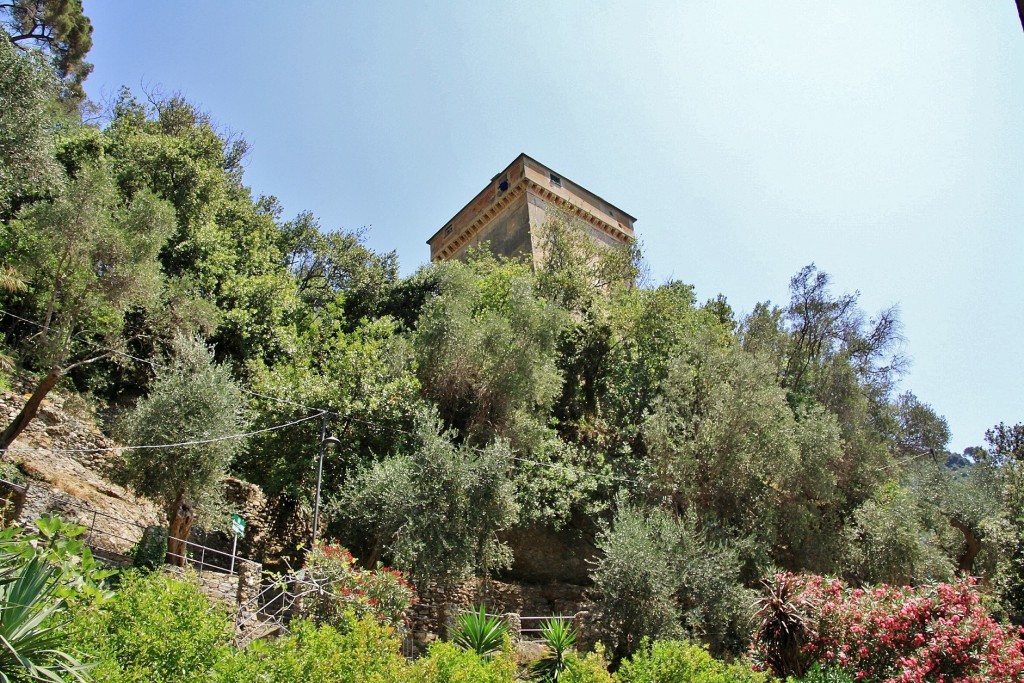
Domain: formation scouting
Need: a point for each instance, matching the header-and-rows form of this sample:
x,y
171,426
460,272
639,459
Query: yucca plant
x,y
559,638
479,632
28,636
782,628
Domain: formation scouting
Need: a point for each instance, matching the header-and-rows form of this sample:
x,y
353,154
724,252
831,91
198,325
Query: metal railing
x,y
100,536
531,632
269,611
534,631
197,555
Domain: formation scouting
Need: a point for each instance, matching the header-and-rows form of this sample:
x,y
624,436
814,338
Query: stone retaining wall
x,y
72,483
437,607
230,590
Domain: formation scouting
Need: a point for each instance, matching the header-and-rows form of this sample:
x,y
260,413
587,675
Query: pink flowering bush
x,y
348,588
939,632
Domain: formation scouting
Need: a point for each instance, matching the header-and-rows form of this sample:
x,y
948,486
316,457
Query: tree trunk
x,y
30,409
179,522
972,546
371,561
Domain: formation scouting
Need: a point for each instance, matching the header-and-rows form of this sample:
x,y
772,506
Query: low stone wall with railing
x,y
522,606
227,589
224,577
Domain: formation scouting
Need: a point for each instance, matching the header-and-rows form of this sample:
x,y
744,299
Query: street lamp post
x,y
324,441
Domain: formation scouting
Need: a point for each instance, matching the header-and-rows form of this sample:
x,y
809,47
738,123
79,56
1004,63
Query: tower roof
x,y
535,186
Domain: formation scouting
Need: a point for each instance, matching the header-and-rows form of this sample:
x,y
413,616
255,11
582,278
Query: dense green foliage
x,y
668,661
662,578
156,628
436,510
27,164
89,256
42,573
365,652
58,29
159,627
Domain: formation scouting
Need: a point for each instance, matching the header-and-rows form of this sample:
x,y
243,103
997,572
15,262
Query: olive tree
x,y
662,576
486,349
435,512
193,402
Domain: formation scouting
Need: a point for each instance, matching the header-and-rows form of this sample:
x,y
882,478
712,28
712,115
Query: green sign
x,y
237,526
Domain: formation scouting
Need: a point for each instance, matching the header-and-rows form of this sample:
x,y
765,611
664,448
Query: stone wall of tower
x,y
507,234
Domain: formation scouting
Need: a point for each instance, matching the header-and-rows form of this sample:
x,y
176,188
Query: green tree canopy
x,y
60,29
436,511
193,402
27,164
486,348
88,256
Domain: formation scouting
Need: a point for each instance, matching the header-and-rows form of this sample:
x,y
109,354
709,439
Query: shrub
x,y
383,593
10,471
591,668
938,632
662,577
78,578
671,661
635,579
824,674
156,628
782,627
446,663
367,650
887,541
151,549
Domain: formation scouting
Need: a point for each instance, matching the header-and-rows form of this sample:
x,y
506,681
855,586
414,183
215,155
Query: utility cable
x,y
167,445
155,365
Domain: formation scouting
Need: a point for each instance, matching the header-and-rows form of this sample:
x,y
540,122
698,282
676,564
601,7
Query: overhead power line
x,y
152,363
181,444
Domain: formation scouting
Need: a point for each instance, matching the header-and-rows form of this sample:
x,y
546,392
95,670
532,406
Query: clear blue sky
x,y
882,140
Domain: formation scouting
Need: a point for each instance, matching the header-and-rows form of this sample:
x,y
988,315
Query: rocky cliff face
x,y
67,475
75,485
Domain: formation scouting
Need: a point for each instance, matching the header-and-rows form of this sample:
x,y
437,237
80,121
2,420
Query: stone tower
x,y
521,196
